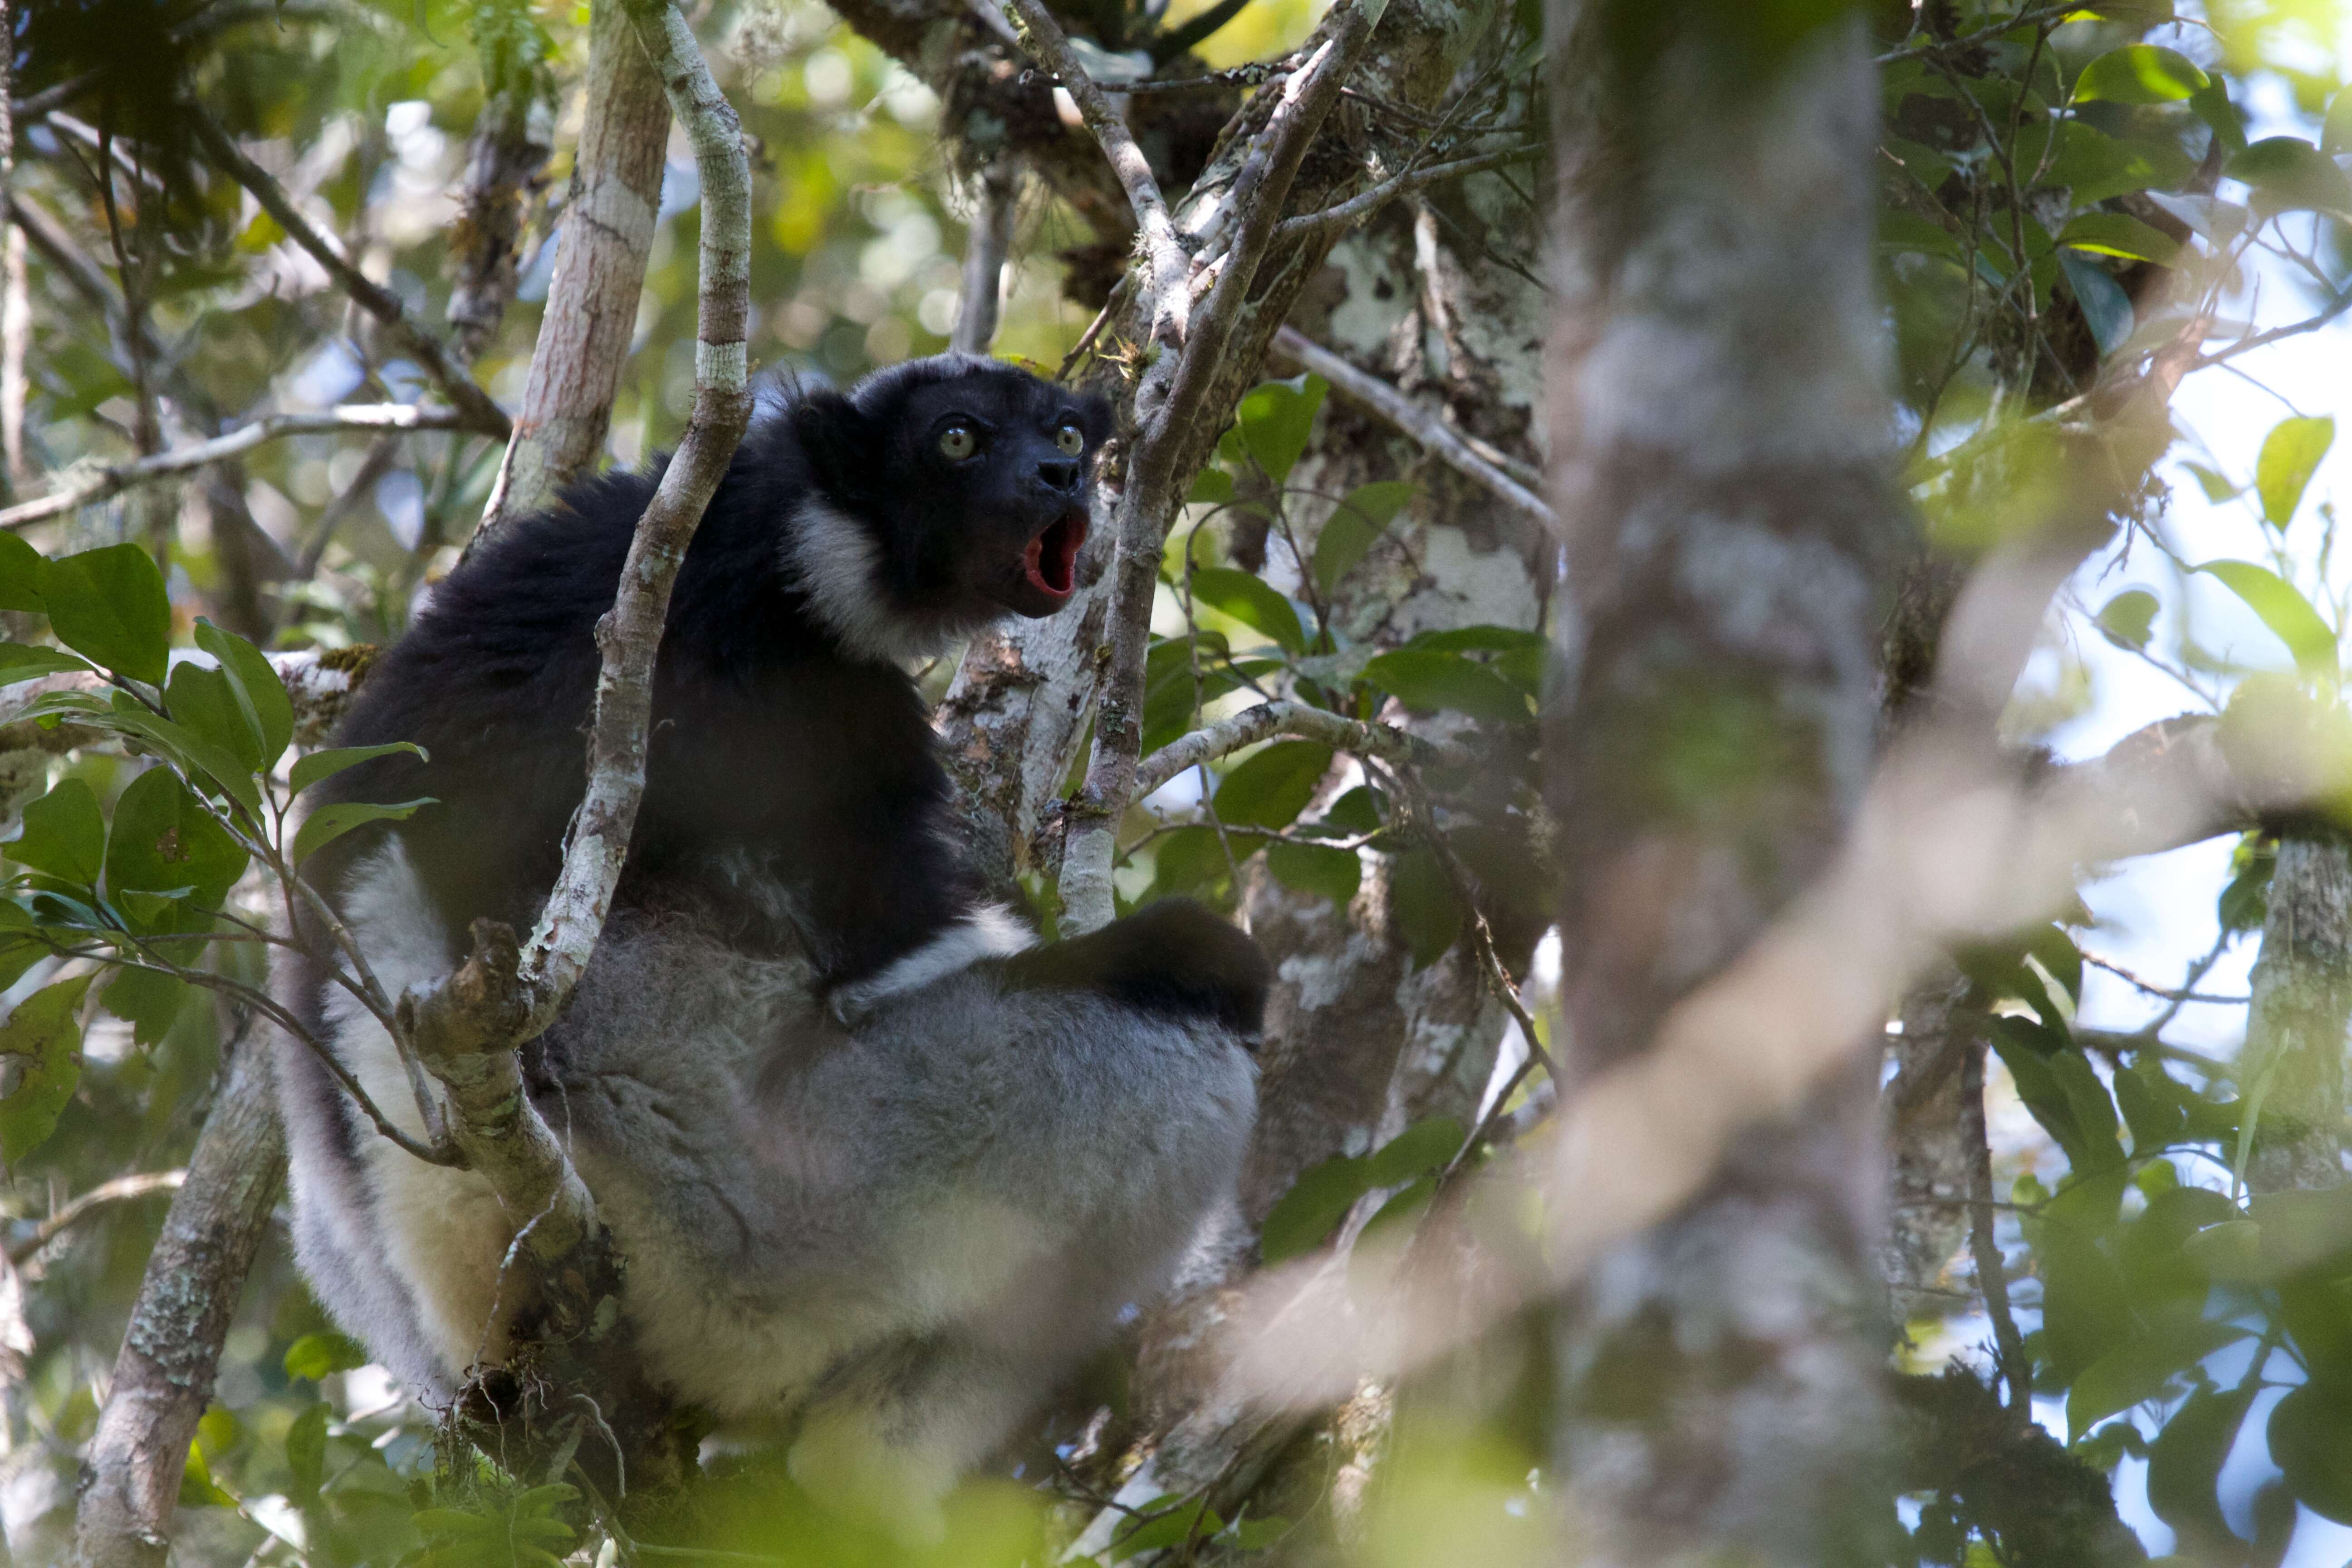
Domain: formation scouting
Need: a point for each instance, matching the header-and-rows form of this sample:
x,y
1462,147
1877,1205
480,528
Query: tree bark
x,y
1717,437
163,1376
607,232
2292,1067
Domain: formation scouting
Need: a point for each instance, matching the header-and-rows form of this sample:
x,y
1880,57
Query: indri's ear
x,y
840,443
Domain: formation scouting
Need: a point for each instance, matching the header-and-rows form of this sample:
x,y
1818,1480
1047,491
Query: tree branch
x,y
1335,220
480,413
990,240
1424,424
121,1190
102,483
1284,718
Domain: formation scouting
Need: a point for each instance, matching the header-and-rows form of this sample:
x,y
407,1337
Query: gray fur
x,y
892,1236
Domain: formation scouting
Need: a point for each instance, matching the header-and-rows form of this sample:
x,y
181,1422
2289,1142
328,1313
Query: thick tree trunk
x,y
163,1376
2293,1063
1717,449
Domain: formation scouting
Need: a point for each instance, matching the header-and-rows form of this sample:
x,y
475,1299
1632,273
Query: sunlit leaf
x,y
2282,609
1312,1209
331,822
1250,601
46,1031
2291,454
2215,484
1423,1147
315,1357
2138,73
2118,234
110,605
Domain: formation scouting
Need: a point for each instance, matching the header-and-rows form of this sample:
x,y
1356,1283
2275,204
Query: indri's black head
x,y
954,487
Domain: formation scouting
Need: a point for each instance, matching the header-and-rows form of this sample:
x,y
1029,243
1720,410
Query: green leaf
x,y
1316,869
1275,419
2140,1368
262,694
329,823
2291,454
1168,688
2211,104
2118,234
2311,1439
23,570
1423,899
2138,73
2096,167
2124,619
110,605
2335,130
2106,308
198,1488
206,703
1181,1521
2185,1462
1271,786
2216,486
1211,487
1250,601
316,1356
1349,533
148,1000
1312,1209
2286,171
64,834
316,767
184,746
26,661
1428,679
1900,231
1421,1148
2283,610
306,1450
165,838
45,1030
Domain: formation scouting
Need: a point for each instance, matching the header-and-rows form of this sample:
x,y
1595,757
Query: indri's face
x,y
976,482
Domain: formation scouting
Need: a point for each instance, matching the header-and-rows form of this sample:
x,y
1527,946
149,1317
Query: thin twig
x,y
1345,214
121,1190
1425,425
1284,718
464,393
104,483
2168,993
1992,1277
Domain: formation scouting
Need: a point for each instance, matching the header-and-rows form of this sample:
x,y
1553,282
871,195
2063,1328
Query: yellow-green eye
x,y
958,442
1070,439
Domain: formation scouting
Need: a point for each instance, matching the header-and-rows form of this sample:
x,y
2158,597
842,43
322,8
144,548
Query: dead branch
x,y
1338,219
1424,424
97,485
465,396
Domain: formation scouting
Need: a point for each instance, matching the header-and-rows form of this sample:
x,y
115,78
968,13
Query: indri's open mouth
x,y
1051,561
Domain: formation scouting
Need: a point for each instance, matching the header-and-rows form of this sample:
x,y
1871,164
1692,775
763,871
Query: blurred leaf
x,y
2094,166
2124,620
2140,1368
2282,609
1316,869
2117,234
1168,685
2217,488
1424,905
198,1488
2138,73
1421,1148
2244,903
2051,947
165,838
1211,487
1312,1209
2106,308
1900,231
1169,1521
1250,601
316,767
331,822
1431,680
2336,132
198,755
1276,418
2211,103
2287,172
1271,786
262,695
23,570
64,834
2185,1462
2291,454
25,662
1349,533
45,1030
2310,1436
2151,1108
110,605
317,1356
306,1451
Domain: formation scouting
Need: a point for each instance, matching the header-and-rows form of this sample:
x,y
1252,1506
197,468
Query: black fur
x,y
771,741
1176,958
